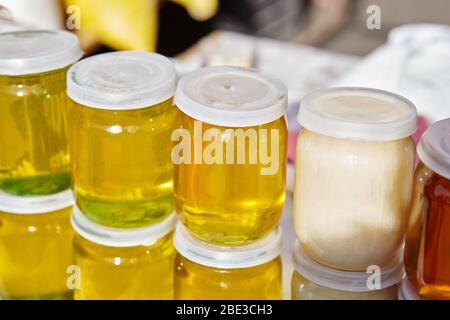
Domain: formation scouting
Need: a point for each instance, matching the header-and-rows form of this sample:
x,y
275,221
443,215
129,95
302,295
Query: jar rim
x,y
15,204
34,51
115,237
225,257
122,80
231,96
358,113
434,148
352,281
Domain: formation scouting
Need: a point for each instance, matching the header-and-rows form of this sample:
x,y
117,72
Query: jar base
x,y
36,186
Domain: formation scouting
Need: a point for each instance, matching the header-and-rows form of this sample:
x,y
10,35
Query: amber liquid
x,y
427,252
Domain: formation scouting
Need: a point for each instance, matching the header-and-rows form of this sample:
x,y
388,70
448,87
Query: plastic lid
x,y
254,254
114,237
122,80
36,204
231,96
434,148
407,292
27,52
359,114
345,280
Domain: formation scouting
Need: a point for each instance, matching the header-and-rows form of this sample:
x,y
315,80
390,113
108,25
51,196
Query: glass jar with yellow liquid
x,y
122,118
211,272
124,264
230,154
313,281
34,151
35,246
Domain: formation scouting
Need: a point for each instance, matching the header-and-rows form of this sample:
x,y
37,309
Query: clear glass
x,y
198,282
427,249
304,289
122,170
35,253
351,199
34,151
128,273
231,204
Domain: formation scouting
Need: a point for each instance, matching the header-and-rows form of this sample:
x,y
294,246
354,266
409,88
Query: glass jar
x,y
34,157
230,154
35,246
354,173
210,272
313,281
124,264
120,142
427,249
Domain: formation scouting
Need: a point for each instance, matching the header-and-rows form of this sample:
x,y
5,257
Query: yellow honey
x,y
122,117
212,272
124,265
229,154
34,152
35,247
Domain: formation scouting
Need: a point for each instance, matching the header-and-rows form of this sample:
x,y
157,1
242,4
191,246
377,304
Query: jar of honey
x,y
354,174
118,264
35,246
313,281
427,249
122,118
34,111
211,272
230,154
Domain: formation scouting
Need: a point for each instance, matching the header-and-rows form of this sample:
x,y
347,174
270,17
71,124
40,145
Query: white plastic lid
x,y
122,80
434,148
254,254
35,204
358,114
114,237
27,52
345,280
407,292
231,96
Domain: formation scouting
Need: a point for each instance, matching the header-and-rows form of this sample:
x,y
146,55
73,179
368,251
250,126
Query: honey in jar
x,y
230,154
35,246
118,264
122,118
427,249
211,272
34,111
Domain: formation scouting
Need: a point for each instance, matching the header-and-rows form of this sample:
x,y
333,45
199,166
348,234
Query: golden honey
x,y
120,148
205,272
110,269
35,254
427,254
34,157
233,193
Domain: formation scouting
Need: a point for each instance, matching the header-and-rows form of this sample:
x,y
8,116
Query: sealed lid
x,y
231,96
434,148
346,280
35,204
27,52
122,80
359,114
114,237
407,292
256,253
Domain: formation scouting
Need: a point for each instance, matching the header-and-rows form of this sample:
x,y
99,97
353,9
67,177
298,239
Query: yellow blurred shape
x,y
199,9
